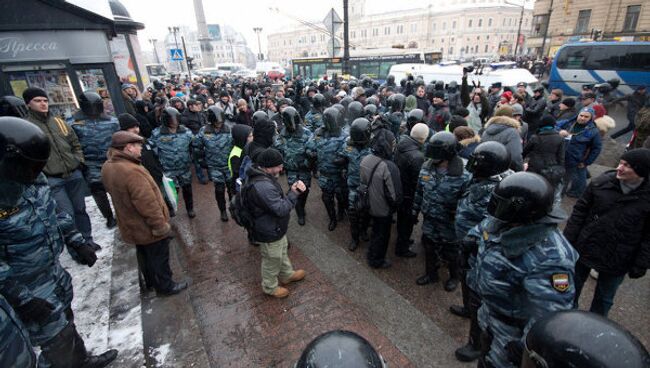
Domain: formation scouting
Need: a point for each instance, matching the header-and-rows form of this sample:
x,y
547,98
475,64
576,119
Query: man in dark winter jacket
x,y
409,158
384,192
193,118
545,153
610,228
271,210
438,113
534,110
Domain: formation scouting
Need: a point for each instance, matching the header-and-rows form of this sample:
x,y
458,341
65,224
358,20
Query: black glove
x,y
515,351
414,217
469,245
86,254
37,310
636,272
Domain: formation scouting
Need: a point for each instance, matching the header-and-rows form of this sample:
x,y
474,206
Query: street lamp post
x,y
155,52
521,18
258,30
230,40
174,30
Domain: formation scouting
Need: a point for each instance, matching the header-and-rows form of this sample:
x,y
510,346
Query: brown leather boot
x,y
280,292
297,275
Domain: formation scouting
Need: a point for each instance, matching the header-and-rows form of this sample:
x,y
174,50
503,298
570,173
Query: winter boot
x,y
189,200
328,201
220,196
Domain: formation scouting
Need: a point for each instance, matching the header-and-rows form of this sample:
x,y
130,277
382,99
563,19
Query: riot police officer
x,y
33,235
340,348
94,130
488,165
314,118
171,142
357,147
13,106
213,144
292,143
395,116
324,146
524,266
441,183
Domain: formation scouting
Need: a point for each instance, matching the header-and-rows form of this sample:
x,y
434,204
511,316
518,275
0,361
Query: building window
x,y
526,22
375,31
451,50
444,26
631,18
490,22
434,26
364,33
583,21
469,24
313,39
504,22
322,37
453,25
414,27
509,22
386,31
354,34
480,22
486,49
399,29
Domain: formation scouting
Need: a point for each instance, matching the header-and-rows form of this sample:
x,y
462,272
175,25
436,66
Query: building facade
x,y
558,22
457,28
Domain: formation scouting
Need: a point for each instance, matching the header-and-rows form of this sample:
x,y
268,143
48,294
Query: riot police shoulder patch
x,y
560,282
7,212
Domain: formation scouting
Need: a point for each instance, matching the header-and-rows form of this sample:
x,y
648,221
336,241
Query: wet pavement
x,y
236,325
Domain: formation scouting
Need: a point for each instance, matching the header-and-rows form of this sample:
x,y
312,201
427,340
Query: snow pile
x,y
159,354
92,285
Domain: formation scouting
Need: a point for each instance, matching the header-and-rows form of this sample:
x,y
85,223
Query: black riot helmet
x,y
390,81
345,101
372,100
429,89
24,150
442,146
353,83
91,104
340,349
419,81
355,110
370,110
259,116
216,115
331,120
522,197
13,106
170,116
318,101
488,159
582,339
174,101
366,82
413,117
339,107
283,101
614,82
399,100
452,86
440,85
290,119
360,131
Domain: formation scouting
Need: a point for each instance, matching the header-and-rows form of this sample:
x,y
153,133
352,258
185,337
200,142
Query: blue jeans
x,y
606,287
69,194
575,180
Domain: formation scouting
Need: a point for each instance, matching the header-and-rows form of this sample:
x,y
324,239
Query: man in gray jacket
x,y
385,194
505,130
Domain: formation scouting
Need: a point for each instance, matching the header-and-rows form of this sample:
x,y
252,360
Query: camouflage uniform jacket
x,y
95,138
354,154
173,150
294,148
214,146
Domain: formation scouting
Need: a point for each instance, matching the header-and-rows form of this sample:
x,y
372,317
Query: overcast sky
x,y
242,15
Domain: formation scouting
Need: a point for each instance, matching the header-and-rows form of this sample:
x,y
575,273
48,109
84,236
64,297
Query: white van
x,y
449,73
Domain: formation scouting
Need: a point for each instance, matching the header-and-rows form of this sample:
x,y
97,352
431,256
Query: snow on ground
x,y
160,354
92,285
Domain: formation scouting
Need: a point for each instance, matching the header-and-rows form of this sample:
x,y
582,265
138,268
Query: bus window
x,y
573,57
384,68
637,58
371,69
606,57
317,70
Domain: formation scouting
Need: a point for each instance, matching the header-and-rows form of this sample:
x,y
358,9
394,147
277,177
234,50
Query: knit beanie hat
x,y
127,121
411,103
456,121
547,121
462,112
569,102
33,92
270,157
439,94
420,132
507,95
504,110
639,161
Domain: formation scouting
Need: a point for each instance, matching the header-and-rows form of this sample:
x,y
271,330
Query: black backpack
x,y
239,209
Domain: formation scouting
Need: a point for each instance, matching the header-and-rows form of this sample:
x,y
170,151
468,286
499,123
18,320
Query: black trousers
x,y
379,237
404,226
153,260
98,192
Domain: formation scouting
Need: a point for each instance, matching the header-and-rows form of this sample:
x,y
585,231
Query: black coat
x,y
409,158
533,112
545,150
270,207
193,120
609,229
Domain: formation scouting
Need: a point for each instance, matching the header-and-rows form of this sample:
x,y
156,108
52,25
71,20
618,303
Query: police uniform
x,y
353,154
215,147
521,274
293,146
313,120
15,348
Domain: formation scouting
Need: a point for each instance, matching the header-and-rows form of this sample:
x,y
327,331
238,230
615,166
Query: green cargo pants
x,y
275,263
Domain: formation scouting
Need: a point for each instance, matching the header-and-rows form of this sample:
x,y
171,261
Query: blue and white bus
x,y
597,62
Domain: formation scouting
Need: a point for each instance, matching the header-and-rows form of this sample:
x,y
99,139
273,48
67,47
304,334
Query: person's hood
x,y
382,144
139,107
263,133
467,141
605,123
240,133
408,144
497,124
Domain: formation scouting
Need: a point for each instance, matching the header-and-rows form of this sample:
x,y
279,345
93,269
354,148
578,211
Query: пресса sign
x,y
77,46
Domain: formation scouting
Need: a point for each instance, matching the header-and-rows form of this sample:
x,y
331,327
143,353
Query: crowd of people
x,y
483,169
